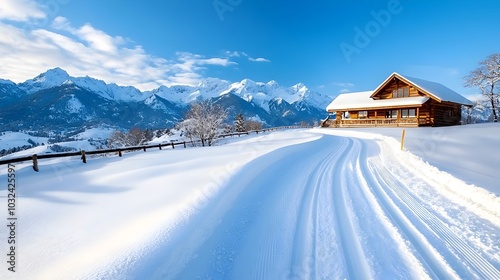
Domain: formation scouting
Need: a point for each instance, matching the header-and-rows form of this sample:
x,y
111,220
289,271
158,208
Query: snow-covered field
x,y
11,139
468,152
297,204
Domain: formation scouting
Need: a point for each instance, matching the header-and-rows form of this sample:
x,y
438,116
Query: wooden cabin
x,y
398,101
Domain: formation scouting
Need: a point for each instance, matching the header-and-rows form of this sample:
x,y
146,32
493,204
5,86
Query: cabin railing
x,y
372,122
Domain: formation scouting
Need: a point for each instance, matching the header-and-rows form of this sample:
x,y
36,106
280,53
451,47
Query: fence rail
x,y
83,154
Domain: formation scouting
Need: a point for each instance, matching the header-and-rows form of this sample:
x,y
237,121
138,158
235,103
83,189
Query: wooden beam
x,y
35,162
84,158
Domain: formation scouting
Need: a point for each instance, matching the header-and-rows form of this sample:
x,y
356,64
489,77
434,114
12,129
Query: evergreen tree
x,y
239,123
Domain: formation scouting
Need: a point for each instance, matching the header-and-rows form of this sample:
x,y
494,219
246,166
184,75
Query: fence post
x,y
35,162
403,139
84,158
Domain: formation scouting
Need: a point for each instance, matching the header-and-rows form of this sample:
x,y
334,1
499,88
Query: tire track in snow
x,y
244,230
295,214
475,265
356,263
312,235
434,262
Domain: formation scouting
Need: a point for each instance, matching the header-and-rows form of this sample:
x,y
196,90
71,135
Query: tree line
x,y
203,123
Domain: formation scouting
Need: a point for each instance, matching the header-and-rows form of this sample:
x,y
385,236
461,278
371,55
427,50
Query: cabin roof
x,y
362,100
435,90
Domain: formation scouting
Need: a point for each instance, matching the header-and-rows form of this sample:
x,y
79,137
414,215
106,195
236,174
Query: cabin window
x,y
408,113
362,114
391,114
401,92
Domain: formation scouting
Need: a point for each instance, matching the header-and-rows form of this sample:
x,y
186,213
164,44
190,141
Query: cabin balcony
x,y
373,122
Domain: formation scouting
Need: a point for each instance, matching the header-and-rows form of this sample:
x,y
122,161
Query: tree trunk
x,y
492,100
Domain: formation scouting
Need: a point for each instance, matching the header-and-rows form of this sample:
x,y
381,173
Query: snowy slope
x,y
9,139
468,152
96,133
299,204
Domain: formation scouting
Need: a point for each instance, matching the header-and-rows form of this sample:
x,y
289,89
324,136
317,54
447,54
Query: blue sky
x,y
331,46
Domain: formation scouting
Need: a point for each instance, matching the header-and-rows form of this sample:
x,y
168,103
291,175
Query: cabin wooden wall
x,y
424,115
446,113
414,92
386,92
440,114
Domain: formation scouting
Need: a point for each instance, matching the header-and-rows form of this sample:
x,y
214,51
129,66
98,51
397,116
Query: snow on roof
x,y
439,91
362,100
435,90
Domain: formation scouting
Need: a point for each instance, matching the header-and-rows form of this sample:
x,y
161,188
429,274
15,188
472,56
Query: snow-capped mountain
x,y
54,100
57,77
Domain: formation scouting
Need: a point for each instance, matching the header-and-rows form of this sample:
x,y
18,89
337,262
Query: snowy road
x,y
297,204
334,208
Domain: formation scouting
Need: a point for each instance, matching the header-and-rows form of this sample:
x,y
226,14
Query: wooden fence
x,y
83,154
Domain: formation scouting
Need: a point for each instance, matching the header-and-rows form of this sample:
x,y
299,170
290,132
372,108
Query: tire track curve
x,y
468,262
356,263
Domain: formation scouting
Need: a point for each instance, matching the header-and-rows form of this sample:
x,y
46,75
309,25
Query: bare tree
x,y
253,125
134,137
117,139
487,77
203,122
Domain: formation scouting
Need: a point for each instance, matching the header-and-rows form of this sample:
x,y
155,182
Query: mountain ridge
x,y
54,98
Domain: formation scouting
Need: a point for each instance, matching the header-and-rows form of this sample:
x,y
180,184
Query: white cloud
x,y
216,61
343,84
88,51
20,10
259,59
244,54
97,39
62,23
232,54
